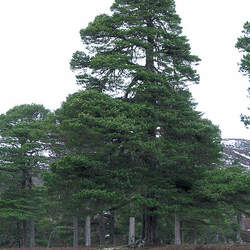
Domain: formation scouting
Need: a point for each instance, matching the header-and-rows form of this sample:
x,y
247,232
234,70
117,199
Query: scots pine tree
x,y
140,44
243,44
96,171
22,158
139,54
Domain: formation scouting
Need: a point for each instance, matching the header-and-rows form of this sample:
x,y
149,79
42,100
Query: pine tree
x,y
140,44
138,53
22,158
95,172
243,44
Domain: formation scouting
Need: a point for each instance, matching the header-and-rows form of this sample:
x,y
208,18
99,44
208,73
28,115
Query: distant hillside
x,y
237,150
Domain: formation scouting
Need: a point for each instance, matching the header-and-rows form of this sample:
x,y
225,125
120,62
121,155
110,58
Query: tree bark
x,y
25,234
182,232
193,239
101,230
75,231
32,232
50,237
112,227
131,239
87,231
241,224
177,231
149,224
19,236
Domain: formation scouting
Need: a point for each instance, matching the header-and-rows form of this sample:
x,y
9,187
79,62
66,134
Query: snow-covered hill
x,y
237,151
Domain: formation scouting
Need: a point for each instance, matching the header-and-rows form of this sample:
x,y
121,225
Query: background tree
x,y
96,169
243,44
226,191
22,158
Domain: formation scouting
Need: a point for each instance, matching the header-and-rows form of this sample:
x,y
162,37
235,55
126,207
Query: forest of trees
x,y
127,160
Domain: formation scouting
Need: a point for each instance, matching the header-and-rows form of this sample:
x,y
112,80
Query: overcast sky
x,y
38,38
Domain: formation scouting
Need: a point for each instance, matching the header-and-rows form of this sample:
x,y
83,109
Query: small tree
x,y
22,158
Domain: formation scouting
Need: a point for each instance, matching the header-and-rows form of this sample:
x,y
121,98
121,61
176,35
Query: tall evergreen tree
x,y
138,53
22,158
140,43
95,172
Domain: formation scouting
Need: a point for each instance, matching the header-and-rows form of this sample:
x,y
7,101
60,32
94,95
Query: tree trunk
x,y
182,233
19,236
193,239
112,227
101,230
217,237
50,237
241,224
87,231
149,224
75,230
131,239
177,231
25,234
32,233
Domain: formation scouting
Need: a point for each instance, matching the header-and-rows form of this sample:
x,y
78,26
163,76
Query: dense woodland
x,y
128,160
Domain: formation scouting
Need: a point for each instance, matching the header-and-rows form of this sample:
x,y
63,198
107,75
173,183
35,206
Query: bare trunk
x,y
217,237
87,231
193,239
32,233
25,234
112,227
182,233
241,224
177,231
101,230
50,237
19,239
238,237
149,228
75,230
131,239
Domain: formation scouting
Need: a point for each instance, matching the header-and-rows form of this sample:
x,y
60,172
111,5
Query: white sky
x,y
38,38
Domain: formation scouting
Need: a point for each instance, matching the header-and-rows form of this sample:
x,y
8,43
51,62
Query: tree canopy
x,y
243,44
129,146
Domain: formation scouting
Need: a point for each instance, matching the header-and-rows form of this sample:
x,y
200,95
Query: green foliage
x,y
243,44
140,42
22,158
130,144
138,52
228,185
